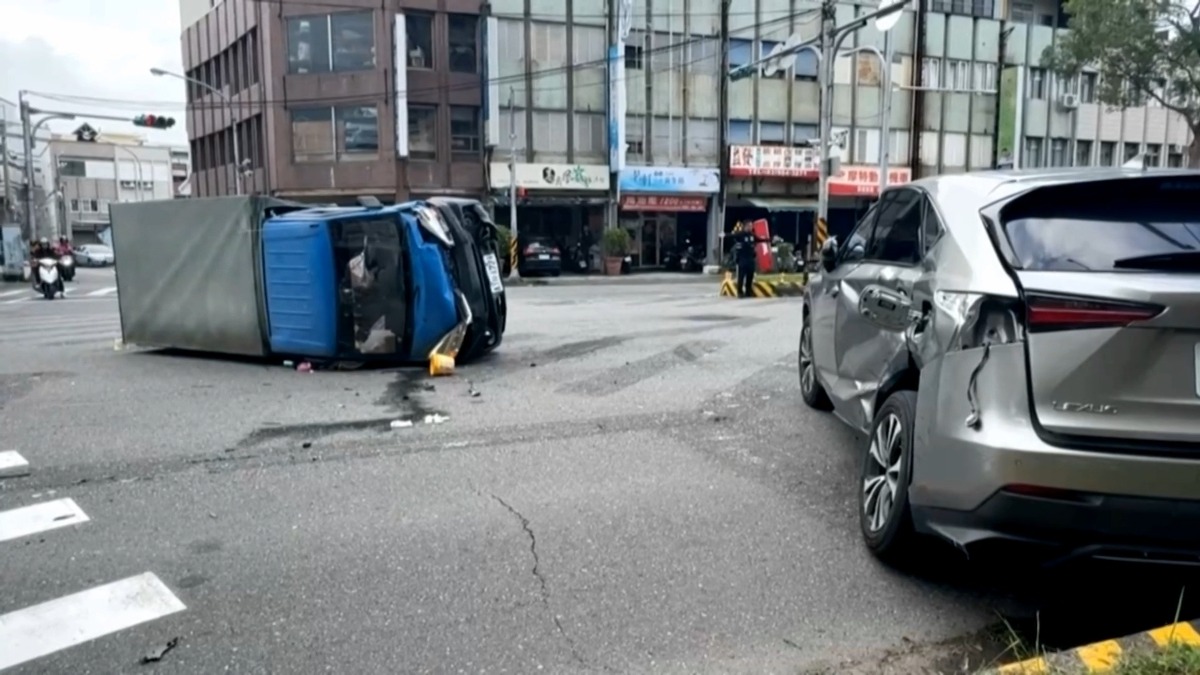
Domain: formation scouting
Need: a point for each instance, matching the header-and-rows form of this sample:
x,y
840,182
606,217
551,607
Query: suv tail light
x,y
554,250
1045,313
531,249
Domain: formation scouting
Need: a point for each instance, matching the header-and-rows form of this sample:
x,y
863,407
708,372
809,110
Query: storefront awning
x,y
784,203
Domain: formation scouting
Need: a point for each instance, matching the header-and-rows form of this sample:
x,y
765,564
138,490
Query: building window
x,y
985,77
1058,152
74,206
1153,153
1129,152
1175,160
72,167
1108,153
1083,153
958,75
308,44
463,43
464,130
1037,83
358,129
332,42
980,8
634,57
312,135
419,28
1087,87
94,206
422,131
931,73
352,40
1033,153
1021,12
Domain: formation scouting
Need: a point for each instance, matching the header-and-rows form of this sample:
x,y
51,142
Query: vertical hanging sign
x,y
400,38
491,84
616,88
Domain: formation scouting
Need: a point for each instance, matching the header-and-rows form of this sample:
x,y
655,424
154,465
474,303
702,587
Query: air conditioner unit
x,y
1069,101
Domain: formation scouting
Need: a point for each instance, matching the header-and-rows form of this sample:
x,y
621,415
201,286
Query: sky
x,y
99,49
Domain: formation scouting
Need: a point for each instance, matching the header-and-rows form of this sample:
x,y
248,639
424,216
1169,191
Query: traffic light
x,y
154,121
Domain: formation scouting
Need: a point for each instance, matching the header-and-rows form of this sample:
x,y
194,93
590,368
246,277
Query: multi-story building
x,y
329,102
968,93
91,175
12,170
555,110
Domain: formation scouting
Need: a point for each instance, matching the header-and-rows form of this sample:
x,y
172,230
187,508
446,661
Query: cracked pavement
x,y
634,488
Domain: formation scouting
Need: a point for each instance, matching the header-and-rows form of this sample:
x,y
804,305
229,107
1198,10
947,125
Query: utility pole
x,y
828,56
715,233
29,227
885,124
8,209
513,246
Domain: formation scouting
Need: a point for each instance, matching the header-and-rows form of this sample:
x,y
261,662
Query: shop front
x,y
779,183
665,209
554,201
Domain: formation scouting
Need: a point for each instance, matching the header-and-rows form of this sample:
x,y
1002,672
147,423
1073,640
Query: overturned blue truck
x,y
262,277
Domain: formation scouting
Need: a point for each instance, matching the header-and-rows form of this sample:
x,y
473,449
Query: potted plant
x,y
503,241
615,245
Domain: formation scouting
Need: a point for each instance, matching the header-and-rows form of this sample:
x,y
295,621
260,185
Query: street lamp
x,y
237,153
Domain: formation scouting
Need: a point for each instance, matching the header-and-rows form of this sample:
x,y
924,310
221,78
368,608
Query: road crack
x,y
543,587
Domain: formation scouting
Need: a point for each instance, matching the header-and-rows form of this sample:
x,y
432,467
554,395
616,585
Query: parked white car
x,y
93,255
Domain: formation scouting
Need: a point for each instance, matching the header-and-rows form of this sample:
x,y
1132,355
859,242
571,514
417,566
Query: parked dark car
x,y
540,256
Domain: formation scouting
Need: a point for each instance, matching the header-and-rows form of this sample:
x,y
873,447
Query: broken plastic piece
x,y
401,424
440,364
435,419
973,420
304,367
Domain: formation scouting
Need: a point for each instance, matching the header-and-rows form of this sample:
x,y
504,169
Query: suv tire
x,y
810,386
883,510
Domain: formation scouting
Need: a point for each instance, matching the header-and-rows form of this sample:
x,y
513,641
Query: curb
x,y
1101,657
601,280
764,289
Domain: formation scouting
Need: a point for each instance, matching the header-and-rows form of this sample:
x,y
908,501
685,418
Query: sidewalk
x,y
635,279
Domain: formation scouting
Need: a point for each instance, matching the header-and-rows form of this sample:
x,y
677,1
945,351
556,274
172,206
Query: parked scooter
x,y
48,281
692,259
575,259
672,260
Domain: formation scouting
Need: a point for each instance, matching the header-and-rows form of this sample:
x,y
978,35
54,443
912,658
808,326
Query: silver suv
x,y
1022,351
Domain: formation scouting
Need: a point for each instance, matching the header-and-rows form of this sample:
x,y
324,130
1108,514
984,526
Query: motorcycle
x,y
693,257
48,281
575,259
67,262
672,261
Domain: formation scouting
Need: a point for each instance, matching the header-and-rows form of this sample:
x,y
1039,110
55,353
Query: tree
x,y
1142,49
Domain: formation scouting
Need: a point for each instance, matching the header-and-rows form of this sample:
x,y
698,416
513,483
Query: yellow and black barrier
x,y
774,286
1101,657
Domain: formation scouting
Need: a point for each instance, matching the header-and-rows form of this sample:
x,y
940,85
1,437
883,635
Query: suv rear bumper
x,y
1002,481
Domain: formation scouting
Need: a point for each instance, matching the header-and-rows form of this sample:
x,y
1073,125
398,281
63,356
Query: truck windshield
x,y
372,285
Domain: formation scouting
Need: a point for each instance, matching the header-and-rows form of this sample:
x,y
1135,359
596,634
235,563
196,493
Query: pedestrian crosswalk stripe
x,y
71,620
41,517
102,292
9,294
12,464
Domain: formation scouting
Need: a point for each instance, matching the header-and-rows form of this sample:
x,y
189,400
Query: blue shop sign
x,y
670,179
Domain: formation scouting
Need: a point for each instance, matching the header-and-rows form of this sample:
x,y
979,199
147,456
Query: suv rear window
x,y
1089,227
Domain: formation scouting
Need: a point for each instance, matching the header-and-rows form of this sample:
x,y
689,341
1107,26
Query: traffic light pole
x,y
29,135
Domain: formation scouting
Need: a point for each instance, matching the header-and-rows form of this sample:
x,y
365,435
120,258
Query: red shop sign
x,y
863,181
671,203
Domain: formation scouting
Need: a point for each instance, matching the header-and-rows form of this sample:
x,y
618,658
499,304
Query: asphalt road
x,y
629,484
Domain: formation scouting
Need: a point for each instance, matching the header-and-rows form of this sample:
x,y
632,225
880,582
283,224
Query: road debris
x,y
158,653
435,418
401,424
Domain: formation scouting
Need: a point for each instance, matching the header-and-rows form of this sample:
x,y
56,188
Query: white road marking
x,y
12,464
102,292
71,620
13,302
9,294
27,520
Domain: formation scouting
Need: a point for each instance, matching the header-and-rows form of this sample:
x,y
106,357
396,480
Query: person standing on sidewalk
x,y
745,259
